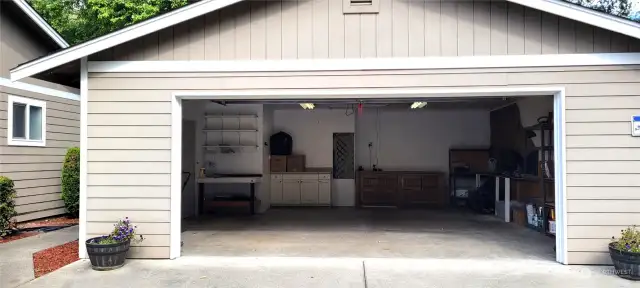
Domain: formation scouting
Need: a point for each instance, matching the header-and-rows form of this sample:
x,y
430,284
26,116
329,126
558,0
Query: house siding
x,y
36,170
602,157
129,167
317,29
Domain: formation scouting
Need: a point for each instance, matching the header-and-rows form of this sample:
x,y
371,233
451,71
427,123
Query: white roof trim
x,y
36,18
462,62
38,89
586,15
118,37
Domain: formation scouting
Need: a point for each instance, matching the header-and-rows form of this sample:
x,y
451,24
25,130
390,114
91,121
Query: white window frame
x,y
28,102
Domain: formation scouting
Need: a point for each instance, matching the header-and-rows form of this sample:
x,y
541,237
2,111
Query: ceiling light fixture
x,y
307,106
418,105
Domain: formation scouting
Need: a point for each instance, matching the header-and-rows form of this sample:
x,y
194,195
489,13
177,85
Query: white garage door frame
x,y
372,93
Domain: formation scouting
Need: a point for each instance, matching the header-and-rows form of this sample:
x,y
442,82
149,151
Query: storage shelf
x,y
230,116
229,146
229,130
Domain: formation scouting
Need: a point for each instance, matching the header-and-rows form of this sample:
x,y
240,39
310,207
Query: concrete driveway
x,y
265,272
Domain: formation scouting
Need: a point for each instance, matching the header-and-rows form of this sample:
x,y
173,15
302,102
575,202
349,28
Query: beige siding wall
x,y
36,170
129,165
602,157
317,29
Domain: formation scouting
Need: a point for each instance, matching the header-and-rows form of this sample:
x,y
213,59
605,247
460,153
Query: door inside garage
x,y
415,177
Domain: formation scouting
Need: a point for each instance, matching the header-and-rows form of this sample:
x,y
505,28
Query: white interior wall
x,y
267,131
417,139
243,161
312,133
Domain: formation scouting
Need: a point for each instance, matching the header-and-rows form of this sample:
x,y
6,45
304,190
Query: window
x,y
360,6
27,122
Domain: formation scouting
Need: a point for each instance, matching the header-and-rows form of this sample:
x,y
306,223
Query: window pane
x,y
35,123
19,120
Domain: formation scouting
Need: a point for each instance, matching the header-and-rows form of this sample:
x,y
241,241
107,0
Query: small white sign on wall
x,y
635,126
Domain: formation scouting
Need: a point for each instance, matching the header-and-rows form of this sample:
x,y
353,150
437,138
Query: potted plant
x,y
109,252
625,253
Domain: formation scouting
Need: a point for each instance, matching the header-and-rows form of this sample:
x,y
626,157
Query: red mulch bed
x,y
17,236
49,260
53,221
44,222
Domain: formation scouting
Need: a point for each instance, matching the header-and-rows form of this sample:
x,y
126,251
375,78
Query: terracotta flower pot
x,y
107,256
626,264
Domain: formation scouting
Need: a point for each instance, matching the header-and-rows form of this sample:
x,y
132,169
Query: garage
x,y
478,70
397,177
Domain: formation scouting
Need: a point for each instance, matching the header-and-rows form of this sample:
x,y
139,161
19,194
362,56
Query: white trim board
x,y
84,162
508,61
369,93
38,20
118,37
585,15
38,89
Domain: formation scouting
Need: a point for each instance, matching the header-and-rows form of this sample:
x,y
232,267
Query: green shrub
x,y
71,181
7,206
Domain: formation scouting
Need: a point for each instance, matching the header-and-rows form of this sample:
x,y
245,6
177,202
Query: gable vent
x,y
360,6
361,2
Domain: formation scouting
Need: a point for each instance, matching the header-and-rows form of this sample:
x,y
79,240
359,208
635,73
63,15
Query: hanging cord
x,y
349,110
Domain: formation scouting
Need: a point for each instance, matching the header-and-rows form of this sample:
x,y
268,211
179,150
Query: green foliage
x,y
7,206
71,181
81,20
629,240
621,8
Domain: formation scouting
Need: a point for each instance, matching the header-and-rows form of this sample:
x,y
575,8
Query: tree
x,y
81,20
622,8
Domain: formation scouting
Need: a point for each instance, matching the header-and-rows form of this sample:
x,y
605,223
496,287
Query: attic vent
x,y
361,2
360,6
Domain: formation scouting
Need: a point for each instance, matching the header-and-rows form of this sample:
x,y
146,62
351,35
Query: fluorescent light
x,y
307,105
417,105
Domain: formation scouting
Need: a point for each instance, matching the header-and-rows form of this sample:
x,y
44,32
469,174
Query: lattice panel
x,y
343,154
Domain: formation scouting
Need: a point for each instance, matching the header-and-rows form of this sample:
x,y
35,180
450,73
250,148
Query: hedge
x,y
71,181
7,206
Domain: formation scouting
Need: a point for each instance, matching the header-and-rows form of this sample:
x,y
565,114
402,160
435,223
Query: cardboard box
x,y
295,163
278,163
519,217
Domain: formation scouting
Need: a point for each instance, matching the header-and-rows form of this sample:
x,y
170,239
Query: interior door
x,y
188,183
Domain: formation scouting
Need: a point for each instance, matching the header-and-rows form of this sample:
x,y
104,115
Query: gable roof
x,y
203,7
41,23
585,15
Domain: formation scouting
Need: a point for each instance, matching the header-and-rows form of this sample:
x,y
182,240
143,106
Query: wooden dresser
x,y
400,189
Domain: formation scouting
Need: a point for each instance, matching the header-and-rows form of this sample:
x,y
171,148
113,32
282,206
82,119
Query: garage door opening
x,y
371,177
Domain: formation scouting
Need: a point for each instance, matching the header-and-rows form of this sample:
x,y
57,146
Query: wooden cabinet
x,y
306,189
400,189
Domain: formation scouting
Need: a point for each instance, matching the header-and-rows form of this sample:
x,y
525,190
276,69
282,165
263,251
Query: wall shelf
x,y
230,130
230,116
228,146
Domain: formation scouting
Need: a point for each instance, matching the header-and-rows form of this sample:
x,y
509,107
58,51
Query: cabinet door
x,y
276,191
309,192
324,192
291,192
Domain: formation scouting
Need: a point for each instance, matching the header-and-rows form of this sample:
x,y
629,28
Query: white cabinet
x,y
290,191
307,189
324,192
309,192
276,190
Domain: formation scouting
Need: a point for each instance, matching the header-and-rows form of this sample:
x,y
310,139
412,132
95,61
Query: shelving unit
x,y
228,133
546,150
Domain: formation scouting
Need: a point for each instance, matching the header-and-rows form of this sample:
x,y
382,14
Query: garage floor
x,y
375,233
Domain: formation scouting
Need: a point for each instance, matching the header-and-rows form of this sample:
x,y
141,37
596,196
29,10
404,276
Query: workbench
x,y
221,200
